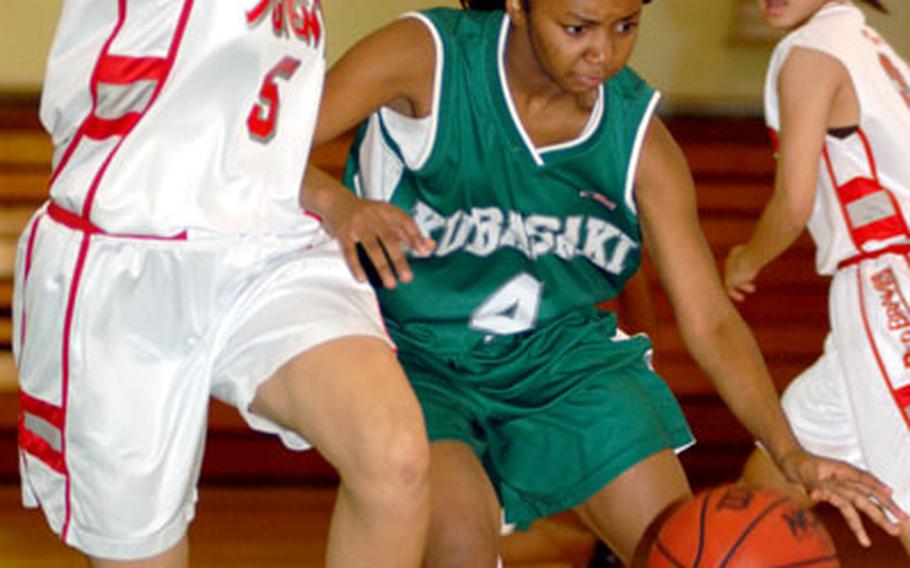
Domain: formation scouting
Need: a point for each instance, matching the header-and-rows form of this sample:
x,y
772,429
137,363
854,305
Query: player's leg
x,y
176,557
350,399
622,512
465,512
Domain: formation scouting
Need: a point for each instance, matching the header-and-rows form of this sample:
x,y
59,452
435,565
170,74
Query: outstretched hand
x,y
739,276
849,489
385,232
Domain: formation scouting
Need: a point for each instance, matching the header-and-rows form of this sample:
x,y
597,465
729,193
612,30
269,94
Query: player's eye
x,y
626,26
574,30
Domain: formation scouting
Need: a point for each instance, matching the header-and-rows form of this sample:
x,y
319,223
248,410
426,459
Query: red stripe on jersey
x,y
93,91
106,67
101,128
163,73
124,70
859,187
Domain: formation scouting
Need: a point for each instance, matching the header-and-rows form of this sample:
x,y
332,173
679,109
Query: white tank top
x,y
175,116
863,194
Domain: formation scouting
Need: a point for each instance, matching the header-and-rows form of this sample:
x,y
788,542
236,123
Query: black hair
x,y
501,4
877,4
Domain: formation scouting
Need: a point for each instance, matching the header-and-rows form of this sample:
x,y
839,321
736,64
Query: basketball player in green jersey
x,y
510,170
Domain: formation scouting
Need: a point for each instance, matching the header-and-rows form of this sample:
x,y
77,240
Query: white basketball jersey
x,y
175,116
863,196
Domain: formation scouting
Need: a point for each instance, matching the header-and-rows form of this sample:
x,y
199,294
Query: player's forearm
x,y
781,223
729,355
323,195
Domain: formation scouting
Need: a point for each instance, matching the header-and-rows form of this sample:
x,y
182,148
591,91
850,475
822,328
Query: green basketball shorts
x,y
553,415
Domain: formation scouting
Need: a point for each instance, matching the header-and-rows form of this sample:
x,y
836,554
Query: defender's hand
x,y
384,231
849,489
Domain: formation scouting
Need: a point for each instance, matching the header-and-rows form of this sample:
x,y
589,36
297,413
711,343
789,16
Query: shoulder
x,y
832,31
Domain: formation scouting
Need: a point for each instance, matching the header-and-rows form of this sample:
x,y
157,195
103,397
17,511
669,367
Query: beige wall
x,y
685,48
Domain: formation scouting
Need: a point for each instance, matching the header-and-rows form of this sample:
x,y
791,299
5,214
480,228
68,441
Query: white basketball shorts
x,y
853,404
120,341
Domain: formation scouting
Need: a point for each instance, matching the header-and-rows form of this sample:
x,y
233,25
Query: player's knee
x,y
459,545
391,460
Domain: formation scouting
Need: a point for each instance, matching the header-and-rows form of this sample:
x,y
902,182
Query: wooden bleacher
x,y
733,168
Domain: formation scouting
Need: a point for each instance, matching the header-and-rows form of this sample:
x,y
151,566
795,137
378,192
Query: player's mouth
x,y
774,8
588,81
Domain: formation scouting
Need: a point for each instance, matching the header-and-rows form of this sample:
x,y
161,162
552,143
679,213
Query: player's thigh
x,y
622,511
349,398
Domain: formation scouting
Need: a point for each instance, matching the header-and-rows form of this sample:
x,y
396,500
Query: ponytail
x,y
878,5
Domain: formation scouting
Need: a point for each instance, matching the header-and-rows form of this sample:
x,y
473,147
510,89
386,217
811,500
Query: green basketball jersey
x,y
524,234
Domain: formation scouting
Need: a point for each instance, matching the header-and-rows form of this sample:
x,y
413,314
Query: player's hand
x,y
739,275
384,231
849,489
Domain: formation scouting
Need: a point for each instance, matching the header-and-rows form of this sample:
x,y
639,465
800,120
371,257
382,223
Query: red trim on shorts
x,y
67,333
901,397
900,248
79,223
34,444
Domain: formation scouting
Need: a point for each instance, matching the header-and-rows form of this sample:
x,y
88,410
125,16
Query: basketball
x,y
737,526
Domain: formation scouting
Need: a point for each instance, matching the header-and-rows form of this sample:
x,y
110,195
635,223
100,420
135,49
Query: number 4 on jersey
x,y
510,309
263,117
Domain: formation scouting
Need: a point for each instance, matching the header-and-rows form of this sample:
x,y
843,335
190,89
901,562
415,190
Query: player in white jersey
x,y
838,101
174,262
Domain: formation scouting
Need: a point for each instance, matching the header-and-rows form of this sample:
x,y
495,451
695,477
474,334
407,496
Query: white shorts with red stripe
x,y
853,404
120,342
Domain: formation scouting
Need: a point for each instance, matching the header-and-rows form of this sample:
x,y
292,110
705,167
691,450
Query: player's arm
x,y
808,84
392,67
719,339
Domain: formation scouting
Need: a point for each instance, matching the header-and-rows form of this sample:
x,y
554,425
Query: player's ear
x,y
517,12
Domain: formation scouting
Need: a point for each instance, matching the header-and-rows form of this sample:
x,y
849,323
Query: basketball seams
x,y
752,524
668,555
702,522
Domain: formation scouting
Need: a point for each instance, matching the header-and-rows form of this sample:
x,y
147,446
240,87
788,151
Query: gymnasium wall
x,y
686,48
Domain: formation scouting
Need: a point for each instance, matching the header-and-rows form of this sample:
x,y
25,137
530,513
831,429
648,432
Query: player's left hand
x,y
849,489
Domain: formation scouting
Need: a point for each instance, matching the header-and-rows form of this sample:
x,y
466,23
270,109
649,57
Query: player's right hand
x,y
739,276
385,233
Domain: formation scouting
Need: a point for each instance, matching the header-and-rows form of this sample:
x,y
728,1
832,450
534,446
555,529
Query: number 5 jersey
x,y
183,115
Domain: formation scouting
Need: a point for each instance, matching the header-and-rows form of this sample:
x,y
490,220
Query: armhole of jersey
x,y
636,151
417,157
808,45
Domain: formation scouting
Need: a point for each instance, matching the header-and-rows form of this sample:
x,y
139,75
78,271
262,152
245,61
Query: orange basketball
x,y
736,526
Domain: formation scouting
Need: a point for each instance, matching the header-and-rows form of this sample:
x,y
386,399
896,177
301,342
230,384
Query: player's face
x,y
788,14
581,43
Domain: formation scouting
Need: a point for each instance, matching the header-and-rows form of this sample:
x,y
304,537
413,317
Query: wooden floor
x,y
271,528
